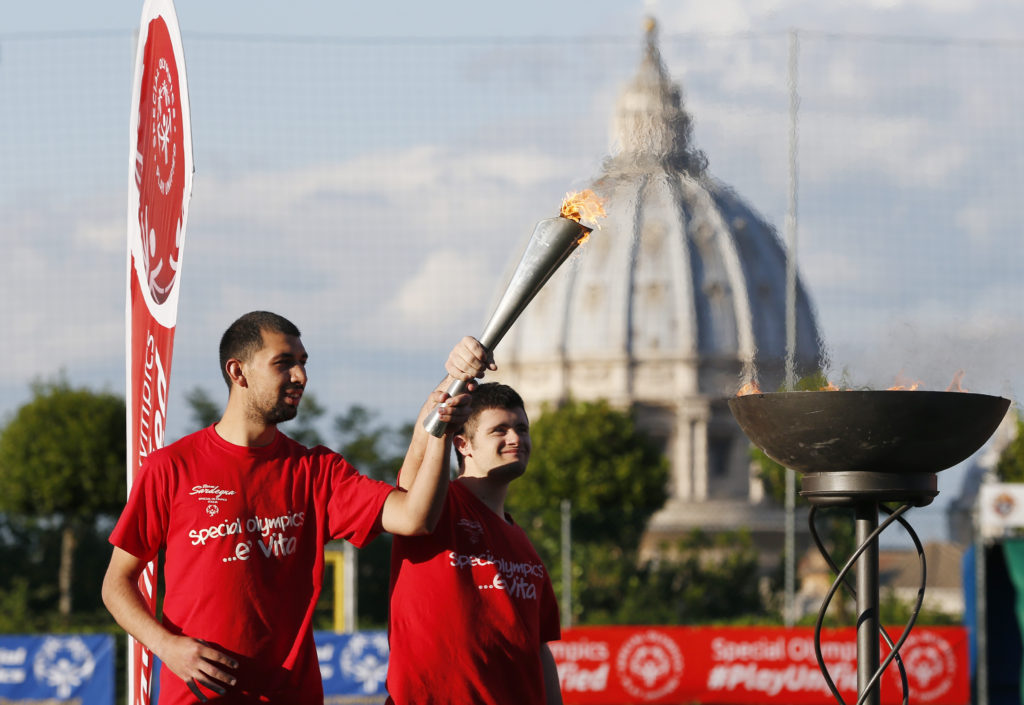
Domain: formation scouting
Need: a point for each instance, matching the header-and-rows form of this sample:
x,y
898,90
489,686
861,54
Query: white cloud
x,y
897,149
423,188
428,232
450,293
722,16
63,299
829,268
978,220
100,234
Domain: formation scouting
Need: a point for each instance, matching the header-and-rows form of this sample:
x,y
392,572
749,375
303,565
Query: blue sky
x,y
878,159
391,18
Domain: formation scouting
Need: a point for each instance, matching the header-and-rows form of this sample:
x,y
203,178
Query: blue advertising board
x,y
353,666
69,668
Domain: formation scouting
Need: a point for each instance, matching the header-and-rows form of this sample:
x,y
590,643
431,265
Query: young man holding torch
x,y
472,606
243,513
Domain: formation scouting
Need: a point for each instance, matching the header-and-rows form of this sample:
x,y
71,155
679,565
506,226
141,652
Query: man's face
x,y
276,376
499,444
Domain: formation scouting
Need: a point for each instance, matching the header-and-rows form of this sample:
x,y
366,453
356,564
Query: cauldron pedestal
x,y
867,493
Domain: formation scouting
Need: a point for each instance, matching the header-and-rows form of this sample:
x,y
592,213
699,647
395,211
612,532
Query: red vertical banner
x,y
160,185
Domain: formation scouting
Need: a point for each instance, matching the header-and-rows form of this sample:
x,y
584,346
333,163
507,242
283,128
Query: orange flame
x,y
902,384
583,204
954,386
748,388
828,387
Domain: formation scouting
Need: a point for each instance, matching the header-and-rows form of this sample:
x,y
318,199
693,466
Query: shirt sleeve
x,y
355,503
142,528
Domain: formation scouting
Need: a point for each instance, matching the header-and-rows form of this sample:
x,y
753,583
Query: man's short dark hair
x,y
490,395
244,337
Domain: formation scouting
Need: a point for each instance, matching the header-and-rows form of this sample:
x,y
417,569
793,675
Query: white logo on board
x,y
649,665
63,663
930,663
365,659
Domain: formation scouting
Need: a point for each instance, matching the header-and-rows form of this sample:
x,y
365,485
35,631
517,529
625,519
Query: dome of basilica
x,y
668,308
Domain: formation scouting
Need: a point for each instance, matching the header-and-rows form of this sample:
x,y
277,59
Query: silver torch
x,y
553,240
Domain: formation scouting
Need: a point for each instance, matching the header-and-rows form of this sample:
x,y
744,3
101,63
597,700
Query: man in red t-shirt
x,y
472,606
243,512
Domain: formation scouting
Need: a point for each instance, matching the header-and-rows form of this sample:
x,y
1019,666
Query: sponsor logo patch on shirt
x,y
212,495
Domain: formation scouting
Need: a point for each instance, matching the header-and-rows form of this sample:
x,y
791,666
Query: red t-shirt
x,y
244,531
471,605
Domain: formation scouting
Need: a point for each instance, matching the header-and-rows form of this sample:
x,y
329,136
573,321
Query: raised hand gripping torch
x,y
553,240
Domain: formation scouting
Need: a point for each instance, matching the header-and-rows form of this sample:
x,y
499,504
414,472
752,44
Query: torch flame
x,y
583,204
748,388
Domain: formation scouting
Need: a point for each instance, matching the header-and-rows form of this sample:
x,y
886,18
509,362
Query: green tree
x,y
62,461
1010,467
706,578
377,450
28,590
596,457
615,478
303,428
835,525
205,411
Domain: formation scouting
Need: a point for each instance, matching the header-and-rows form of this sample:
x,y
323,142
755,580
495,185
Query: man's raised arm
x,y
423,480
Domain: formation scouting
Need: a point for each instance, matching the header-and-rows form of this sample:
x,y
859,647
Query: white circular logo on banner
x,y
161,170
930,664
63,664
649,665
365,659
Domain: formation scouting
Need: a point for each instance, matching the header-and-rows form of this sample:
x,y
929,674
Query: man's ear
x,y
235,373
460,443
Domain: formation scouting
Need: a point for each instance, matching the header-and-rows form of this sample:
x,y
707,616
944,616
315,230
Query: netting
x,y
375,192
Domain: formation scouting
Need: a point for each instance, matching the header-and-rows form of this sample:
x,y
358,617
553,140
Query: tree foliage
x,y
63,454
1010,467
204,410
62,468
377,450
593,455
709,578
30,553
615,477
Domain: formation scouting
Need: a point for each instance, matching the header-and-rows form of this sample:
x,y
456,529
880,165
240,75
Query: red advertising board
x,y
160,185
755,665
